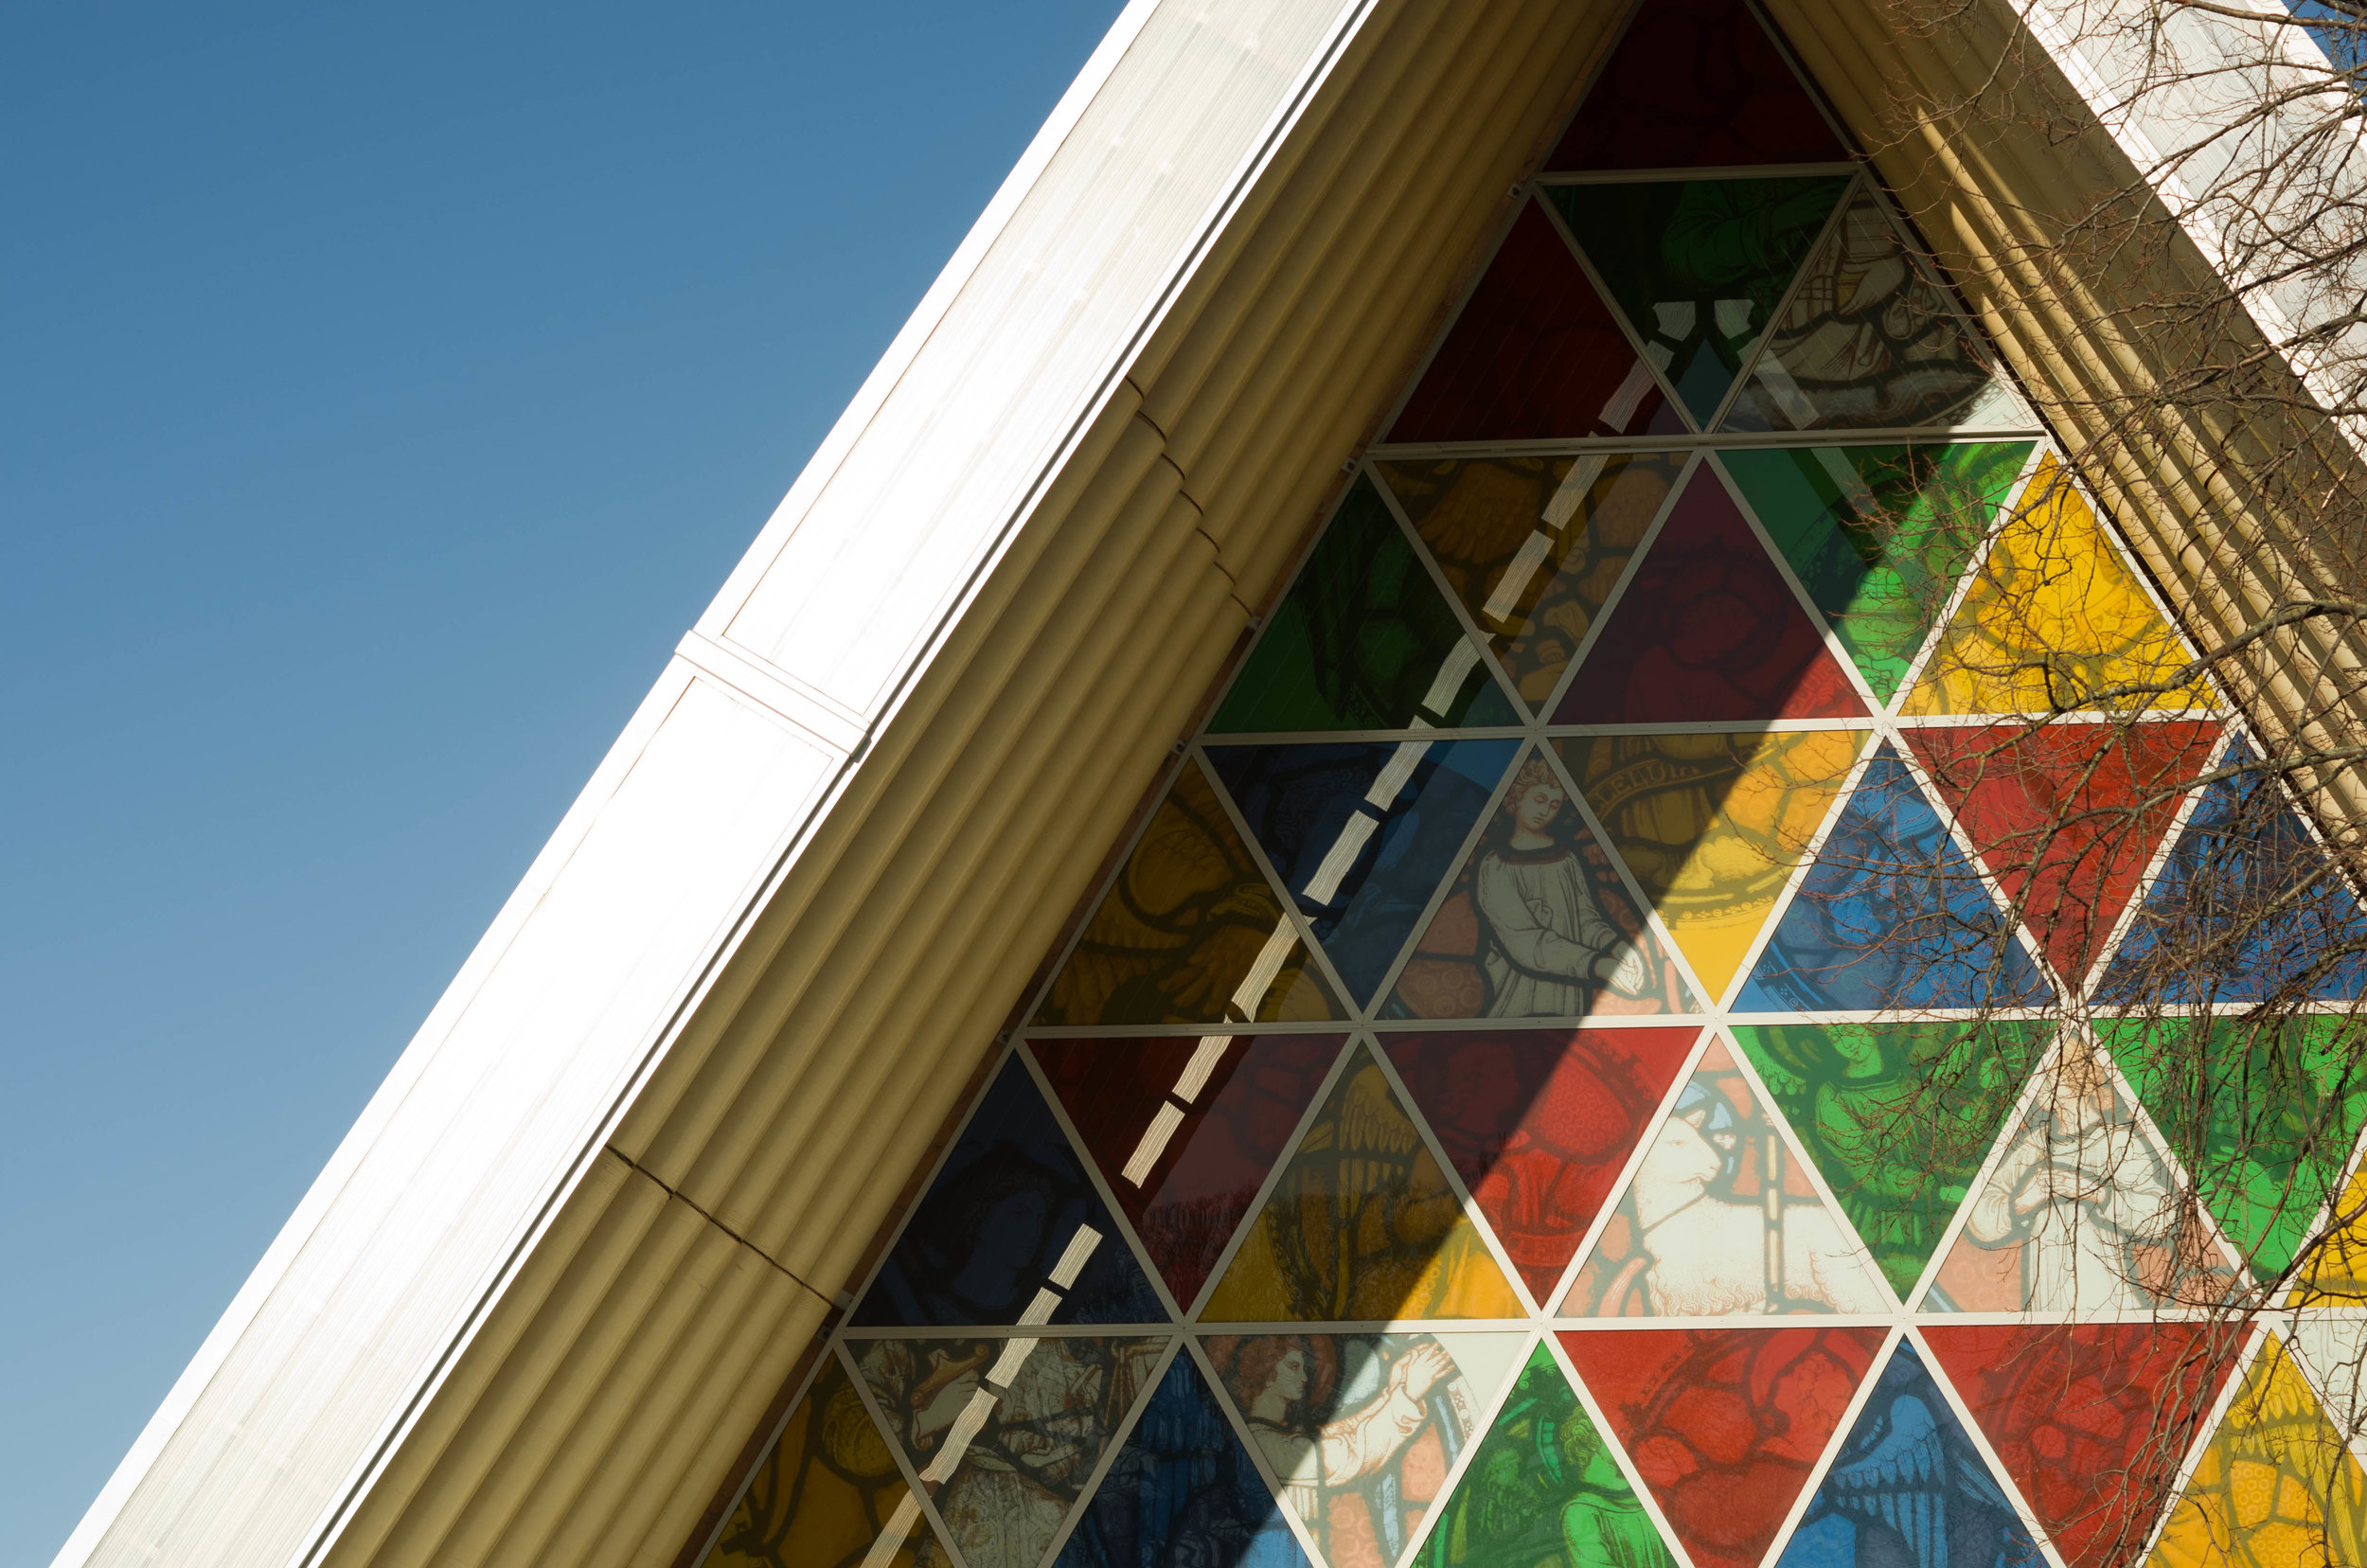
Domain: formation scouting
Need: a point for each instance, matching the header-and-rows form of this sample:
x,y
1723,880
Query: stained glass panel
x,y
1698,267
1594,1056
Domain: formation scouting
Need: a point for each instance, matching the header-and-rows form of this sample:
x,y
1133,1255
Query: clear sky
x,y
383,389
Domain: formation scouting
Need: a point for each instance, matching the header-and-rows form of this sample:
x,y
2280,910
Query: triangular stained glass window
x,y
1535,354
1361,1431
1712,824
1696,83
1185,1129
1870,341
1725,1424
1009,1231
1360,1225
1362,833
1699,267
2065,1405
1536,925
1721,1219
1905,1477
967,1413
1539,1124
1878,535
1707,629
2067,817
1545,1488
1898,1117
1363,640
1190,932
1534,545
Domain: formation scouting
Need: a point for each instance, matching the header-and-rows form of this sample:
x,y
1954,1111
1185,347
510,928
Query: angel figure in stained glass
x,y
1550,944
2082,1212
1359,1430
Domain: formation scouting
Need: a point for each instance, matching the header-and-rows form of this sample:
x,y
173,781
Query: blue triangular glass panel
x,y
1001,1223
1182,1490
2248,907
1908,1486
1892,915
1362,833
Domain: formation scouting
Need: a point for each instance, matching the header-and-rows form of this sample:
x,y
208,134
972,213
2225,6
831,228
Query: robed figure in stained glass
x,y
1550,945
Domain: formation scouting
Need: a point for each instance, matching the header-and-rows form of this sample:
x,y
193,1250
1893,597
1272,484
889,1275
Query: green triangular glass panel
x,y
1543,1491
1877,535
1897,1117
2262,1113
1364,640
1699,266
1873,341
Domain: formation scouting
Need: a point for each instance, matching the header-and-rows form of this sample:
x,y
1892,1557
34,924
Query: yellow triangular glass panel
x,y
2275,1487
827,1493
1362,1225
1190,932
1720,1216
2054,620
2334,1270
1712,825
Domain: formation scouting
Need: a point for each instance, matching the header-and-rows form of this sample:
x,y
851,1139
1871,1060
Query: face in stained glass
x,y
1536,925
1361,1430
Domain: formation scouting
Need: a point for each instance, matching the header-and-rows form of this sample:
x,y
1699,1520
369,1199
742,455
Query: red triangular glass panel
x,y
1696,84
1725,1424
1707,629
1184,1131
2065,816
1535,354
1539,1123
2090,1419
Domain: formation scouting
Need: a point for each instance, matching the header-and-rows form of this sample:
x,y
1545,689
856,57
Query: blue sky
x,y
385,390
